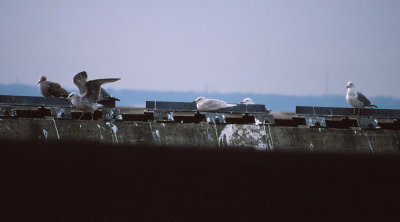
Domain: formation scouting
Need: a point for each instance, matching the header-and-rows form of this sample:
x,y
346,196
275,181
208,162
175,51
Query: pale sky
x,y
277,47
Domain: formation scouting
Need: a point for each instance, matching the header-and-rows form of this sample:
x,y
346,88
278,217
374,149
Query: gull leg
x,y
359,109
92,115
354,112
81,115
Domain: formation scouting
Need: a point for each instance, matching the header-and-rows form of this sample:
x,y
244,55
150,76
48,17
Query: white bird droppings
x,y
45,134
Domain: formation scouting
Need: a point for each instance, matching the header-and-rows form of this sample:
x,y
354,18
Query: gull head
x,y
42,78
247,101
350,85
199,99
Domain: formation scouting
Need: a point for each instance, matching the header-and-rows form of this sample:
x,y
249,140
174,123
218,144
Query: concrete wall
x,y
262,137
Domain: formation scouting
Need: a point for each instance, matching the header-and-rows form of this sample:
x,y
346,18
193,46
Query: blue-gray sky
x,y
296,47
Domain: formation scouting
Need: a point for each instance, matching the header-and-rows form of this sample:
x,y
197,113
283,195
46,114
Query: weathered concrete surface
x,y
262,137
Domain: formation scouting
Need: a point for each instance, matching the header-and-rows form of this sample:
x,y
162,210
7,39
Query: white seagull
x,y
204,104
87,102
247,101
356,99
250,101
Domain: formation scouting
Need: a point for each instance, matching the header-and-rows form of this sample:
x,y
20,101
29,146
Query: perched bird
x,y
51,89
356,99
247,101
204,104
81,78
87,102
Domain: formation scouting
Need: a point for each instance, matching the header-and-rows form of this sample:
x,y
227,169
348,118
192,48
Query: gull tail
x,y
113,98
375,106
108,98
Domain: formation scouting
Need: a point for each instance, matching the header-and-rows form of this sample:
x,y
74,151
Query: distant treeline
x,y
275,102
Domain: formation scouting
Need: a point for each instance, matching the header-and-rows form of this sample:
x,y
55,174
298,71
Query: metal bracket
x,y
348,112
262,118
58,112
167,116
8,111
215,118
117,114
315,121
109,114
365,123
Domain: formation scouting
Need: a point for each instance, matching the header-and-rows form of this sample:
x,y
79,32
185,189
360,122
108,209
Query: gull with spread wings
x,y
81,78
86,100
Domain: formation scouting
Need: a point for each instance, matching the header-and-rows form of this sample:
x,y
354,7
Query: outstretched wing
x,y
363,99
92,88
79,80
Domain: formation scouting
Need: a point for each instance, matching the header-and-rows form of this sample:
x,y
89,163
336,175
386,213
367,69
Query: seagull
x,y
356,99
81,78
51,89
204,104
87,102
247,101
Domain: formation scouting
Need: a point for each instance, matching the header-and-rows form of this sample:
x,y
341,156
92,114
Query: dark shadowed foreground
x,y
92,182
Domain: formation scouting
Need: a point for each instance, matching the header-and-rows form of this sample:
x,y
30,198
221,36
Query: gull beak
x,y
347,86
39,82
194,101
241,102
